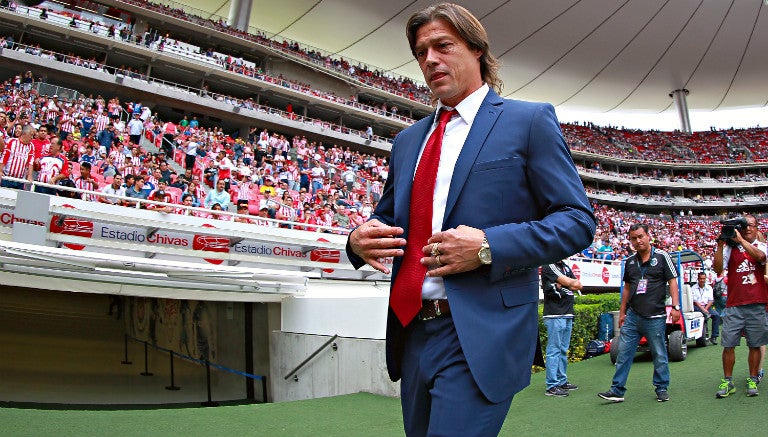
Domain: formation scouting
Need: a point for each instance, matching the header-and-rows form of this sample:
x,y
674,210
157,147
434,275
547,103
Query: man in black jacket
x,y
559,283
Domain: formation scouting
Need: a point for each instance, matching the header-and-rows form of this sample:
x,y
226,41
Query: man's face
x,y
26,137
640,240
85,173
450,68
42,133
702,280
117,181
750,233
220,185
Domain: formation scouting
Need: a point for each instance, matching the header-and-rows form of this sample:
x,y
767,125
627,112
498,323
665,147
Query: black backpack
x,y
720,292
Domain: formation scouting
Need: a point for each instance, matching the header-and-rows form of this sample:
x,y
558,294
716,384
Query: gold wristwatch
x,y
485,252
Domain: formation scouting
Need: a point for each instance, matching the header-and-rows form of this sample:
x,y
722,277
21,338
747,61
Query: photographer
x,y
739,251
558,283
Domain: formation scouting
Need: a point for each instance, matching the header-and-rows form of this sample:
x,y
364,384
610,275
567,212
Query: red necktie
x,y
405,297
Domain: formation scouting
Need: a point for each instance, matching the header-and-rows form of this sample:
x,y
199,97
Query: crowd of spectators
x,y
247,103
665,176
90,143
294,180
93,144
727,146
670,232
376,78
676,200
755,140
709,147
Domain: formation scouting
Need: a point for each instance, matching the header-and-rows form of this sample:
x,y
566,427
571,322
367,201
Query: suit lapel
x,y
486,117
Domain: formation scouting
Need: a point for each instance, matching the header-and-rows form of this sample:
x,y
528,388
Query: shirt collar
x,y
468,107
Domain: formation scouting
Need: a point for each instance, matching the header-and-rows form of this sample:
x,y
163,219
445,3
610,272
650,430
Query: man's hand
x,y
738,238
457,251
674,315
575,285
374,240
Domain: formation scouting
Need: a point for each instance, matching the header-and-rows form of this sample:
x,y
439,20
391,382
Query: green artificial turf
x,y
692,410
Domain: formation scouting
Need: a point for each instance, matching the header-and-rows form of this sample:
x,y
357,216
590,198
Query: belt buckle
x,y
438,313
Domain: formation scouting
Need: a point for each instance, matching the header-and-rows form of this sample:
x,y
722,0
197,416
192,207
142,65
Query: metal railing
x,y
201,362
306,361
183,209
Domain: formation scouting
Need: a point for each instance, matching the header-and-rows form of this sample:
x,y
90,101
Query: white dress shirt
x,y
702,295
456,132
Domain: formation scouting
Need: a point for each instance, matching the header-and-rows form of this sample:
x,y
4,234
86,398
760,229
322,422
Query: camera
x,y
729,229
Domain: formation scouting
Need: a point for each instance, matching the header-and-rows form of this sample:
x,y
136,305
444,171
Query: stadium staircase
x,y
150,146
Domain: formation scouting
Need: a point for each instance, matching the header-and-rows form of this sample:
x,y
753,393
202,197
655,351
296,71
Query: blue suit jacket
x,y
515,180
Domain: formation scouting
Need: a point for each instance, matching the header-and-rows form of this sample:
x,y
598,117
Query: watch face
x,y
485,255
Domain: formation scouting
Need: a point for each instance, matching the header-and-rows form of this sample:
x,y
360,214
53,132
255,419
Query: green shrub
x,y
608,301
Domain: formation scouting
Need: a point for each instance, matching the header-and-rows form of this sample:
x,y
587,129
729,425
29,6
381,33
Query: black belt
x,y
433,309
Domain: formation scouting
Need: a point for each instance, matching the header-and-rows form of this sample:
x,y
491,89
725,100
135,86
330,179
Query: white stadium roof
x,y
601,55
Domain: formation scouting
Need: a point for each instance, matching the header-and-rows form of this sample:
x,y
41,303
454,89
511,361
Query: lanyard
x,y
642,268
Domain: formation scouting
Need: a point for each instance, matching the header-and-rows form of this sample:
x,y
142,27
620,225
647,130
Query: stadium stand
x,y
626,172
289,181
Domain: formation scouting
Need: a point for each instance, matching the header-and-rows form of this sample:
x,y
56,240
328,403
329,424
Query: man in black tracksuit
x,y
558,283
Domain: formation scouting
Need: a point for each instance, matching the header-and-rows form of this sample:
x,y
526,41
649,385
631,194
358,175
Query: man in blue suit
x,y
506,199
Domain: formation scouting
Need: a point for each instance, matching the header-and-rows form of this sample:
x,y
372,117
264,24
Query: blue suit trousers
x,y
438,393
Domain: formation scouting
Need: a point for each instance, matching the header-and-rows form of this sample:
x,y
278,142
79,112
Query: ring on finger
x,y
437,258
436,249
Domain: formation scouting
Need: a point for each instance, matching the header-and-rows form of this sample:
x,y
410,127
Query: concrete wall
x,y
322,82
357,365
355,309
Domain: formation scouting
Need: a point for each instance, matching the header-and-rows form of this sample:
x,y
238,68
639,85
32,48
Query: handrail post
x,y
209,402
264,388
146,371
125,359
173,385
